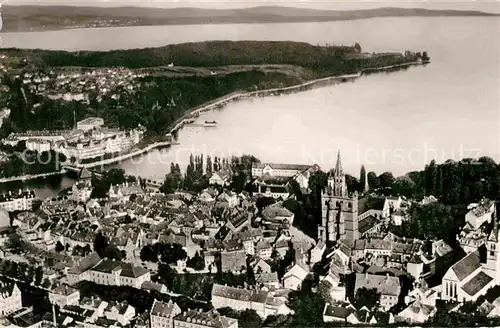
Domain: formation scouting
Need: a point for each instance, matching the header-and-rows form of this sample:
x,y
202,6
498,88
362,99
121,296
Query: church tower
x,y
492,266
339,219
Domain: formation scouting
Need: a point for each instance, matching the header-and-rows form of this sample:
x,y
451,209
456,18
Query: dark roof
x,y
367,223
85,263
276,166
338,311
106,266
478,282
210,319
239,293
163,309
467,265
370,203
233,261
128,270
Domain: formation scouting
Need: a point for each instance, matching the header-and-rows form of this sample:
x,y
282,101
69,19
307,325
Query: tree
x,y
373,180
197,262
166,275
357,47
367,297
386,180
352,183
14,243
46,283
149,254
113,253
362,179
249,319
432,221
249,271
404,186
100,244
324,288
170,253
59,247
38,275
210,166
431,173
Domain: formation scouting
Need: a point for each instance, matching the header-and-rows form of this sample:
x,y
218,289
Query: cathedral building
x,y
339,209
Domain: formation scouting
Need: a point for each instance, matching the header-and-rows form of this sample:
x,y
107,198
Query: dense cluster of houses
x,y
233,235
74,85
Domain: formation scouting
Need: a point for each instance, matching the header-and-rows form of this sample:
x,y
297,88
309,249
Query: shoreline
x,y
188,117
31,176
288,20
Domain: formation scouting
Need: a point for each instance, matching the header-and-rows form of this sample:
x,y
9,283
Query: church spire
x,y
338,166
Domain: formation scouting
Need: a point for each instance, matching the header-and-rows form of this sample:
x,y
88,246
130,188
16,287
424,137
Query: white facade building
x,y
21,201
278,170
63,295
10,299
90,123
162,314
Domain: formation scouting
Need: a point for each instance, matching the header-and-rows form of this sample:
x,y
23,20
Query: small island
x,y
146,95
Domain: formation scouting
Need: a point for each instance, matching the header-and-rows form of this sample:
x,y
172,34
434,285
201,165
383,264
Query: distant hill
x,y
26,18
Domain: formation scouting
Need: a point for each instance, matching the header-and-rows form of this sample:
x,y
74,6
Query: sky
x,y
482,5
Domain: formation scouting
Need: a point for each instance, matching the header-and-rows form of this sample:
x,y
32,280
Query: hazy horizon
x,y
485,6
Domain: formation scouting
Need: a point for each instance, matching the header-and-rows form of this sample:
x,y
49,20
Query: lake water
x,y
390,122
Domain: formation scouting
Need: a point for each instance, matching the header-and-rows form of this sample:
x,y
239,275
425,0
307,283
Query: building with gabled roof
x,y
239,299
133,276
278,170
389,287
63,294
466,280
79,271
198,319
162,314
233,261
296,273
416,313
339,312
10,299
480,213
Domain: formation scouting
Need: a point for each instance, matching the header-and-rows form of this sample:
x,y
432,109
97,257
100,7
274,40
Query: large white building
x,y
90,140
466,280
197,319
20,201
241,299
279,170
38,145
469,278
480,213
90,123
113,273
10,299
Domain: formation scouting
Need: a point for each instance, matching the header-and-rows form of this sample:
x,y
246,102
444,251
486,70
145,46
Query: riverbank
x,y
31,176
189,116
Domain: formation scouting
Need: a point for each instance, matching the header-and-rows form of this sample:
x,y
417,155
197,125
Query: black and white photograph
x,y
249,163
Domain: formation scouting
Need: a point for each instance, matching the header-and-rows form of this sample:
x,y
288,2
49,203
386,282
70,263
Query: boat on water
x,y
210,124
